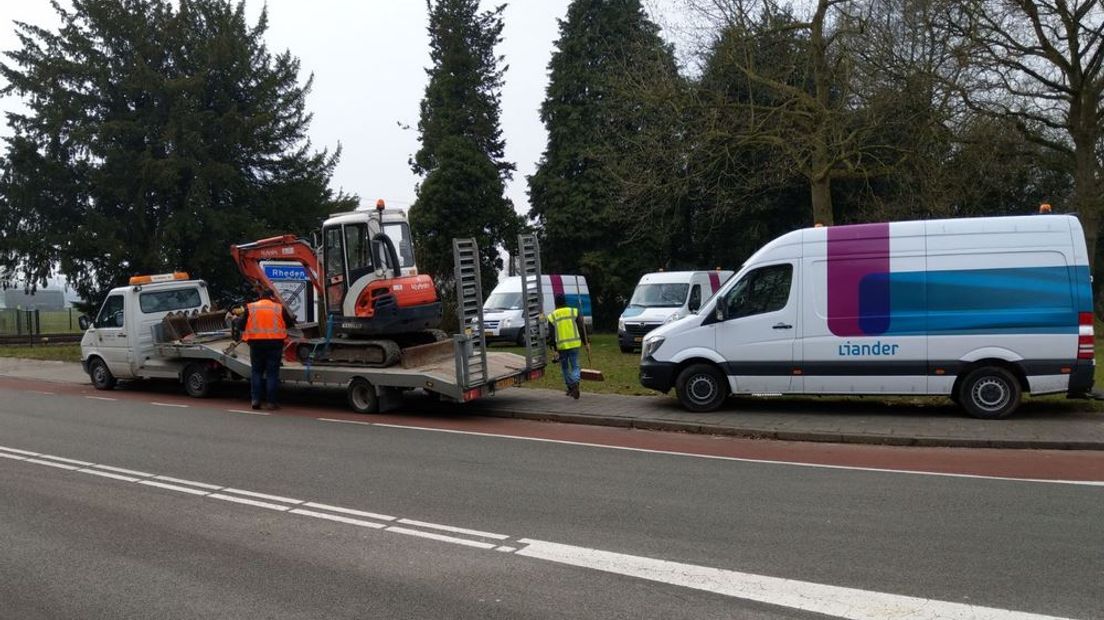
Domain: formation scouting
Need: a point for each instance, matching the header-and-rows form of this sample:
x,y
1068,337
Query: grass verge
x,y
58,352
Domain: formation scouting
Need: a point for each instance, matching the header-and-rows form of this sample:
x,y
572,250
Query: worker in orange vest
x,y
265,329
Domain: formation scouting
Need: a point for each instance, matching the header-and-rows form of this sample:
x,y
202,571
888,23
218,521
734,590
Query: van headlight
x,y
671,319
650,346
504,323
621,325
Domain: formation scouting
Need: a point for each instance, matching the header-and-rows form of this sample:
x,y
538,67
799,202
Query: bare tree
x,y
1040,64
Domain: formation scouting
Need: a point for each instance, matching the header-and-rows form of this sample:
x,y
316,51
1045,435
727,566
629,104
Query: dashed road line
x,y
247,412
170,405
837,601
101,398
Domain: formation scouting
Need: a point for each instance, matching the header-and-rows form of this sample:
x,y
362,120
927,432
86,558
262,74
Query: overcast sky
x,y
368,58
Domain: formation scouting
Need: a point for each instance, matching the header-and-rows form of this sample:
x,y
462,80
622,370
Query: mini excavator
x,y
374,301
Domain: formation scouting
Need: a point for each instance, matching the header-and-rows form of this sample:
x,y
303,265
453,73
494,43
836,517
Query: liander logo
x,y
867,349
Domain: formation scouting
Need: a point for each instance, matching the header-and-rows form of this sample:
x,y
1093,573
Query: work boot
x,y
256,405
575,391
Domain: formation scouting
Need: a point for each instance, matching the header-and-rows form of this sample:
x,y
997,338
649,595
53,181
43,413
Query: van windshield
x,y
503,301
671,295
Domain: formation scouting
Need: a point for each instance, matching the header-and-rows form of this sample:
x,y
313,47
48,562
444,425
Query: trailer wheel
x,y
197,381
101,376
989,393
362,396
701,387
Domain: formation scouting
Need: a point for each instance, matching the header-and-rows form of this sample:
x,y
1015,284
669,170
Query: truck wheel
x,y
197,381
989,393
701,387
362,396
101,376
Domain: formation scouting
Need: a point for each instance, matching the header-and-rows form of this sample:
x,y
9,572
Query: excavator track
x,y
378,353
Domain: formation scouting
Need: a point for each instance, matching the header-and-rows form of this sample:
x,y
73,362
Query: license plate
x,y
638,339
489,334
505,383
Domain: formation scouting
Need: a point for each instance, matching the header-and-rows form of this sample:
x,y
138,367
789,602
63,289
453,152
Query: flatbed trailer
x,y
369,390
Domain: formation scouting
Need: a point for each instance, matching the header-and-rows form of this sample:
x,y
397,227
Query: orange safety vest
x,y
266,322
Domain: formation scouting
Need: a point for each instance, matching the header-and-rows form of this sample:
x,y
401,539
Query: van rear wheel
x,y
701,387
989,393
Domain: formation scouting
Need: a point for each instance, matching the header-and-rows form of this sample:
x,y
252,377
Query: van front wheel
x,y
701,387
989,393
102,379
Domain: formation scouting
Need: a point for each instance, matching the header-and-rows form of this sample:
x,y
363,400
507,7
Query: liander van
x,y
662,297
981,310
502,317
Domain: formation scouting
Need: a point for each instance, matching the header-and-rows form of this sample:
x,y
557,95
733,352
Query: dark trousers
x,y
264,358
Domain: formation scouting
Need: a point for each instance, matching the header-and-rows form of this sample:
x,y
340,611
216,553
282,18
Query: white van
x,y
978,309
662,297
502,318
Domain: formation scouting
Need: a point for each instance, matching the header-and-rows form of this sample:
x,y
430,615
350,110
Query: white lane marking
x,y
140,474
350,511
818,598
275,498
53,464
107,474
352,422
202,485
338,518
455,530
14,457
64,460
250,502
26,452
247,412
168,405
451,539
913,472
45,393
101,398
172,487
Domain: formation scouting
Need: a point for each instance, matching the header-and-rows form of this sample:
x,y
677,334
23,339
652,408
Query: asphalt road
x,y
118,509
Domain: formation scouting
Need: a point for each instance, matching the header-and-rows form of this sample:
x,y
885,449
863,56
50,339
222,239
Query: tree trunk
x,y
1089,207
821,190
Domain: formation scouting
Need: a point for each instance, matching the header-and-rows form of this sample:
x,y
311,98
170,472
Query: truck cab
x,y
118,341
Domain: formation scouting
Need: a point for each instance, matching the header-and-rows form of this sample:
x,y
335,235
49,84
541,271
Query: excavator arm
x,y
248,257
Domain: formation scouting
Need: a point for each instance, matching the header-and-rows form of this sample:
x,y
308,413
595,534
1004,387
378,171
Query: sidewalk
x,y
1040,423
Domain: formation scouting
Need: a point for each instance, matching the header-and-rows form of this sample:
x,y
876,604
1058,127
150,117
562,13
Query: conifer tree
x,y
462,150
158,133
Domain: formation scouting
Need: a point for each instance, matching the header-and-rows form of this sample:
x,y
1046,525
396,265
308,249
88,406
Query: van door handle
x,y
783,326
124,335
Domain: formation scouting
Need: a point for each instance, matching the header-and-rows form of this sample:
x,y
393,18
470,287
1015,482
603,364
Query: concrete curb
x,y
791,435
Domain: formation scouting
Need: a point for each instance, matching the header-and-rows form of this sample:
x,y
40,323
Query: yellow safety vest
x,y
567,332
266,322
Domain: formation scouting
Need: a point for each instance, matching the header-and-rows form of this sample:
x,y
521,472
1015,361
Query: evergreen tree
x,y
159,133
462,150
574,195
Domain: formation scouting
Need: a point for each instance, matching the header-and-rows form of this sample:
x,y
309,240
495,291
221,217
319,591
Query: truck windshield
x,y
503,301
659,295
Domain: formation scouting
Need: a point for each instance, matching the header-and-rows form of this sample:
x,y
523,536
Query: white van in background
x,y
502,317
662,297
977,309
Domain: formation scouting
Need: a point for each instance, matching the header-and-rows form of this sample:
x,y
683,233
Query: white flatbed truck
x,y
128,340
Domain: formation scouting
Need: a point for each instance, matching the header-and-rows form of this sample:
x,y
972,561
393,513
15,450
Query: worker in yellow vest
x,y
567,334
265,329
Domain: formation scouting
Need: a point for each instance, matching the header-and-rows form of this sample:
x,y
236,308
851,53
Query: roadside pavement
x,y
1043,423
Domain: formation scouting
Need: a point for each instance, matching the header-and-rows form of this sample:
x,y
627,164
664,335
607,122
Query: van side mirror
x,y
694,305
84,321
719,312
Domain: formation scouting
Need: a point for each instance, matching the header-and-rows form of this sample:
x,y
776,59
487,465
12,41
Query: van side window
x,y
695,298
763,290
111,314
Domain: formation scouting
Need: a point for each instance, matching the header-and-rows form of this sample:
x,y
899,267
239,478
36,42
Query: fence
x,y
34,322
